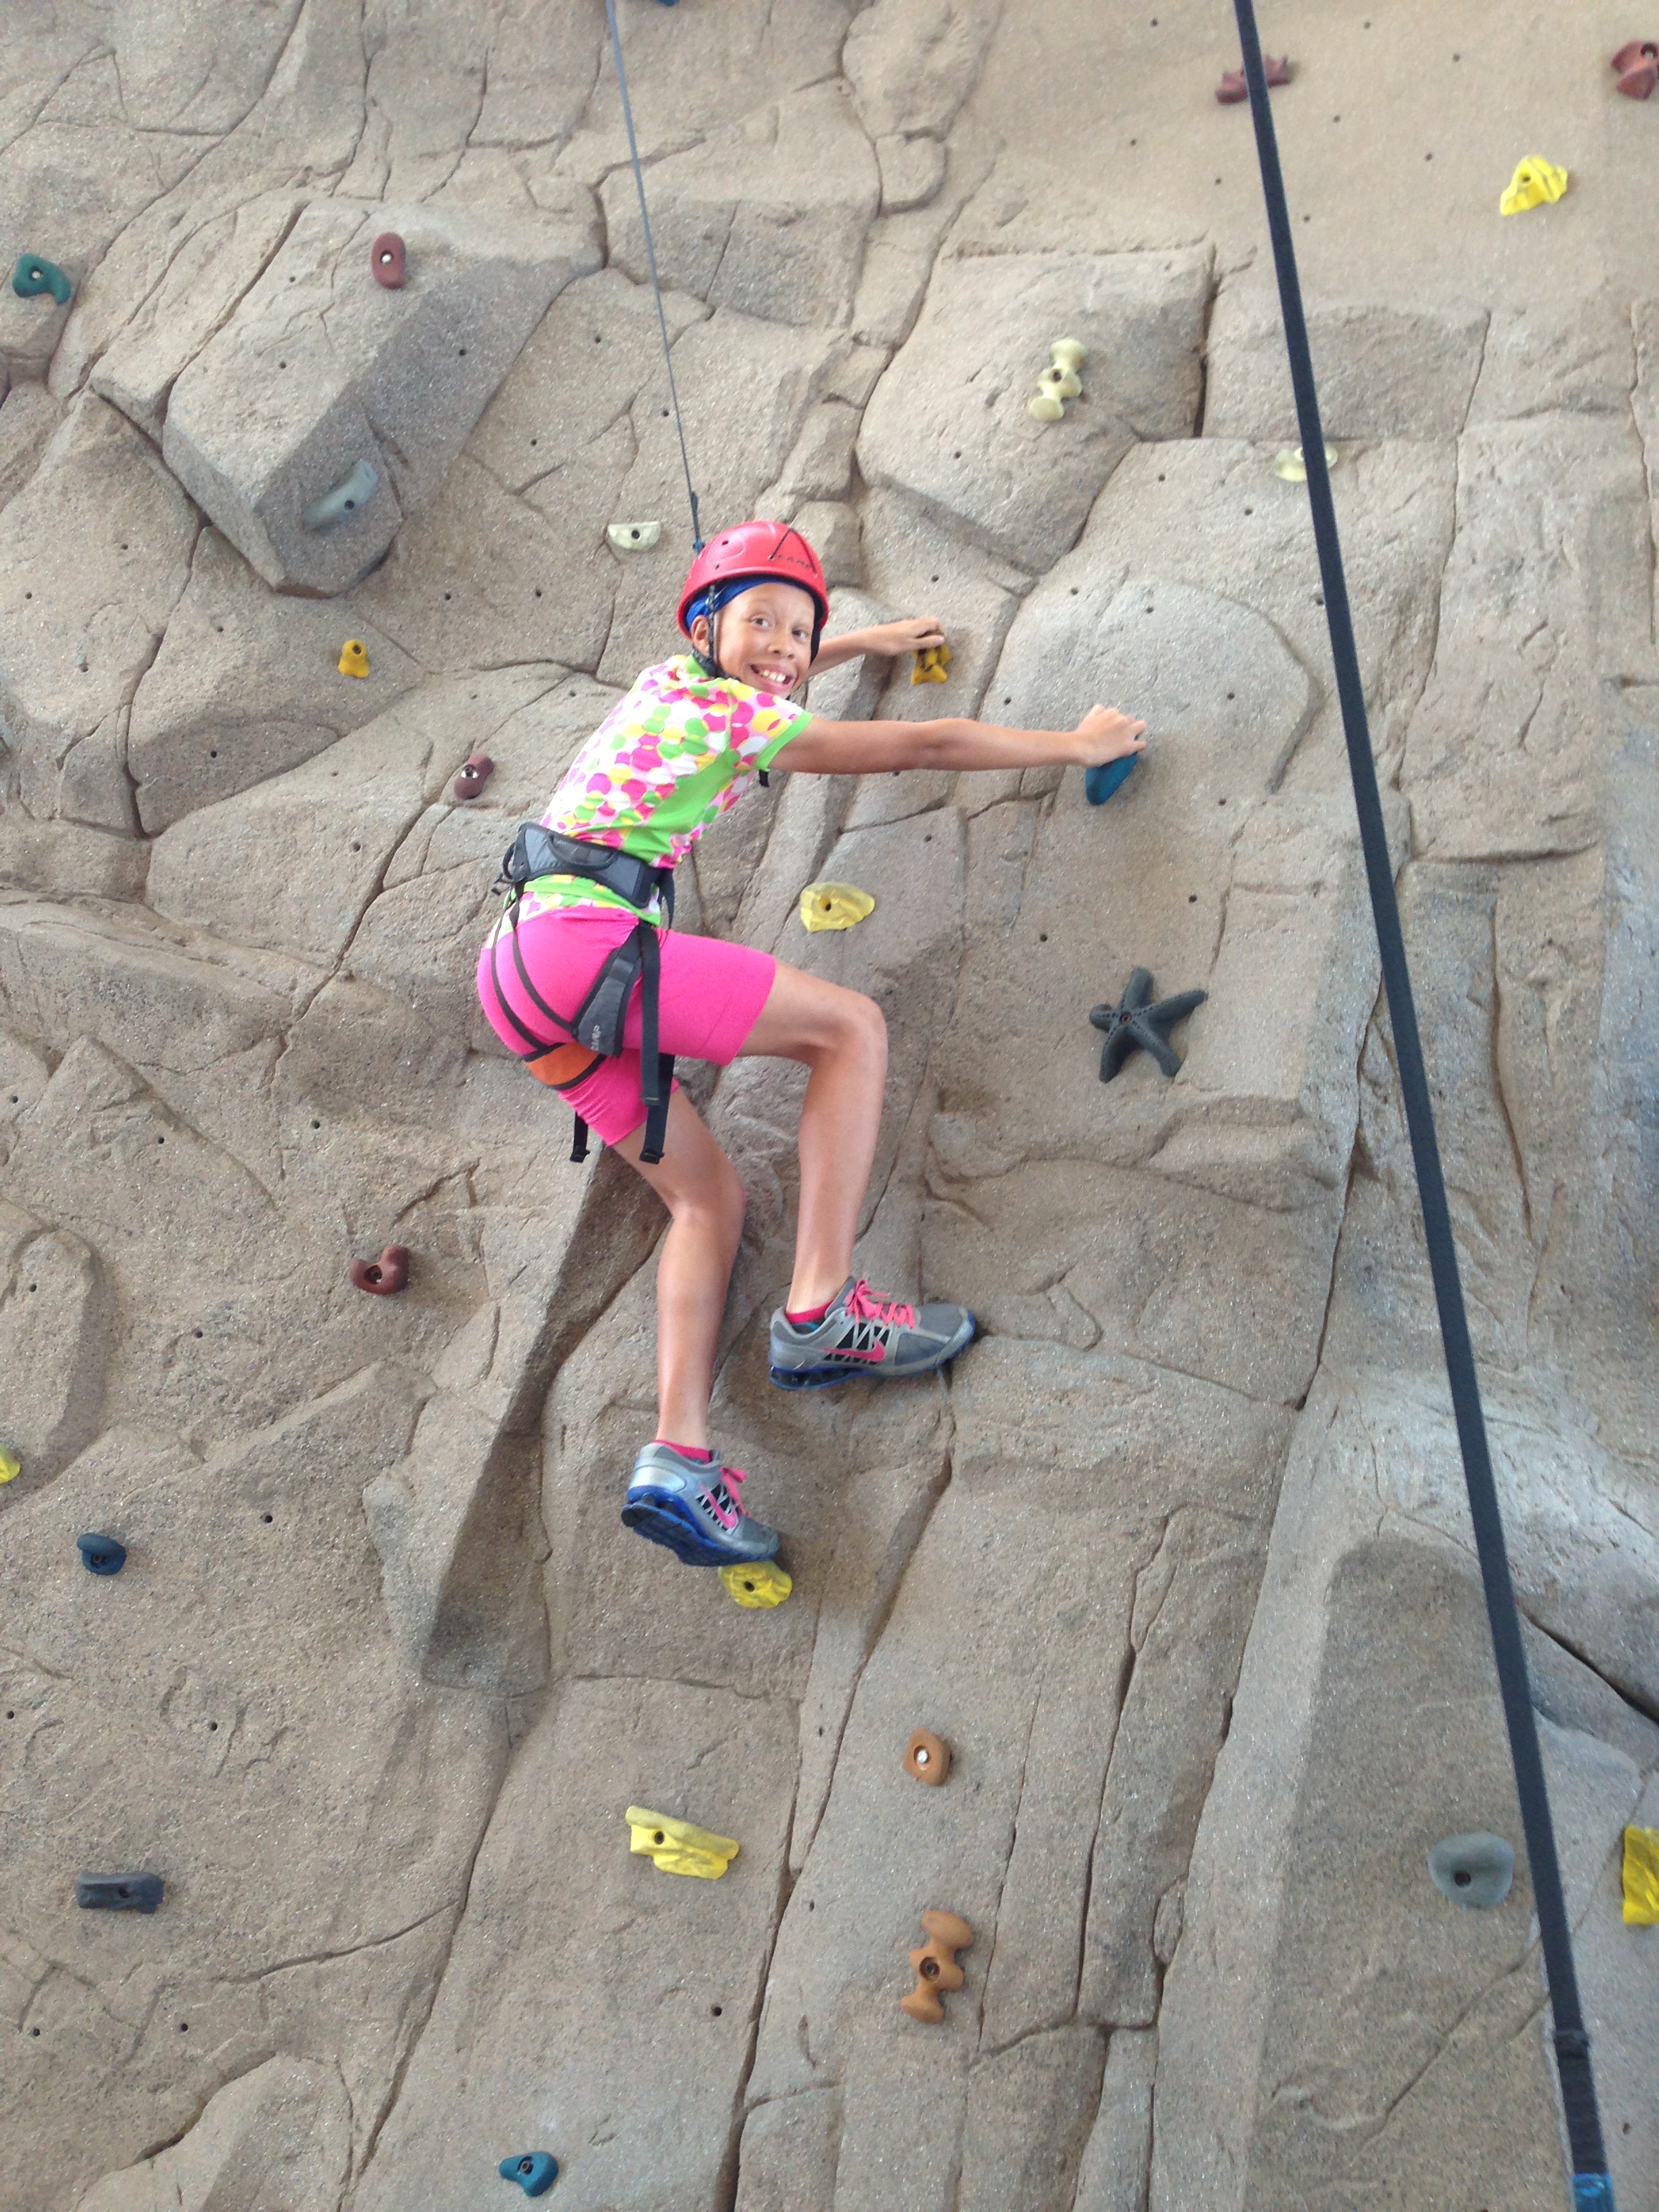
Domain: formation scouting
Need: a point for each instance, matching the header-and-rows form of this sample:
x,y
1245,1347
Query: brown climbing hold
x,y
385,1277
476,771
1636,65
927,1757
385,260
936,1965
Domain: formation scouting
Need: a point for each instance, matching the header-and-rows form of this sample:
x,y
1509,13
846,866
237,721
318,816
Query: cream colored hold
x,y
1290,467
633,536
1059,382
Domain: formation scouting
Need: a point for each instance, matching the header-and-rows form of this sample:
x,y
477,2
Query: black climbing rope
x,y
651,257
1592,2187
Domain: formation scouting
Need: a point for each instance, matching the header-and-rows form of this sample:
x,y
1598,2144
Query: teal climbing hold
x,y
119,1892
1473,1870
34,275
1099,783
339,505
102,1555
535,2172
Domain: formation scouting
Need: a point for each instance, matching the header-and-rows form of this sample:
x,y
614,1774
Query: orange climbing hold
x,y
936,1966
927,1757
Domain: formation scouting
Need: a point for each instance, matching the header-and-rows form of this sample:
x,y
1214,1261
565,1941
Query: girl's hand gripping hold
x,y
1103,735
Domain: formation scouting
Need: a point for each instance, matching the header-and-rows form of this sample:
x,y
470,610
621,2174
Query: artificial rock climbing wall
x,y
1176,1559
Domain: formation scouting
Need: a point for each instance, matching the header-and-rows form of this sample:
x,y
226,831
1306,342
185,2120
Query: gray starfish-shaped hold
x,y
1138,1024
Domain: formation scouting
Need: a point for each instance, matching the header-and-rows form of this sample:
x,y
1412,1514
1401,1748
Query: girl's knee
x,y
867,1024
716,1196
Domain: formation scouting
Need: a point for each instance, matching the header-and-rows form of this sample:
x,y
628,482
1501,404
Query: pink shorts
x,y
710,998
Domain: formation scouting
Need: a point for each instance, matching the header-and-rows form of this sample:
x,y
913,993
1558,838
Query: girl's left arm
x,y
827,748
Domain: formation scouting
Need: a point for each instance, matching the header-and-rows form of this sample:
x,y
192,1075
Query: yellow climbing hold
x,y
834,906
1642,1877
353,658
1289,463
759,1585
930,664
10,1468
1534,181
676,1847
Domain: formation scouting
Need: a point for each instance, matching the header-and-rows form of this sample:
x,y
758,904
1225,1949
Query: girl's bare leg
x,y
841,1036
700,1187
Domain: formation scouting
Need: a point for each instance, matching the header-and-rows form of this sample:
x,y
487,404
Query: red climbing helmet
x,y
756,551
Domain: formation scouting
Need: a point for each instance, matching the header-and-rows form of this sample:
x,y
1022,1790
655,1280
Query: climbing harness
x,y
597,1032
1592,2185
651,257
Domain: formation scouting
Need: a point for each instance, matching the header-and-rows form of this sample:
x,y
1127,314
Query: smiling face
x,y
764,636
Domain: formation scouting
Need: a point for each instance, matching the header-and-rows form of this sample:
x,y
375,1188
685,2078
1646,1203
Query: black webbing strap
x,y
557,1020
538,1045
656,1068
1591,2184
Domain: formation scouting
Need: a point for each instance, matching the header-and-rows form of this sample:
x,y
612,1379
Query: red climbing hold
x,y
476,771
386,261
1233,87
1636,65
383,1277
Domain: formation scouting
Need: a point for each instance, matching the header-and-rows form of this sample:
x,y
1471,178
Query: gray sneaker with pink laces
x,y
862,1334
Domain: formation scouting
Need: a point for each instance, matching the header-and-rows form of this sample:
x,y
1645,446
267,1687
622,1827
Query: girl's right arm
x,y
826,748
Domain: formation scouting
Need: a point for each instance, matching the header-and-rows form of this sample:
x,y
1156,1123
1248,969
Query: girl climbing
x,y
584,980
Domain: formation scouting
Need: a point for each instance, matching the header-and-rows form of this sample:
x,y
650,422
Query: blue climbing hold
x,y
118,1893
344,500
535,2172
1592,2192
1099,783
102,1555
34,275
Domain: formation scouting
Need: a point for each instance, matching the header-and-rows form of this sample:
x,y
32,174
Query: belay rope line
x,y
651,257
1592,2186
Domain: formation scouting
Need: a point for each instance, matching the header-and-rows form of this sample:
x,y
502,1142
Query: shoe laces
x,y
721,1497
864,1304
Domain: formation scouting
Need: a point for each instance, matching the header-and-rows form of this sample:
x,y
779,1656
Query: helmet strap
x,y
709,661
716,606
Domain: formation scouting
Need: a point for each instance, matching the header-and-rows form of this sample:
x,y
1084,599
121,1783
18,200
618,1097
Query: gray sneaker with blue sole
x,y
862,1334
691,1506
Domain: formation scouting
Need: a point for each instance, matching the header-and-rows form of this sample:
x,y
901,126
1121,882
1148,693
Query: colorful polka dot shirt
x,y
666,760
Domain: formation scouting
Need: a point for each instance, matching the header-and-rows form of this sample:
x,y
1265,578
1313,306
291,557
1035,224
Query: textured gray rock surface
x,y
1177,1558
321,372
